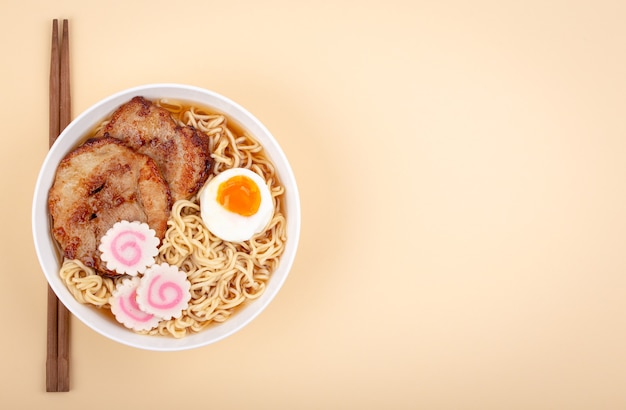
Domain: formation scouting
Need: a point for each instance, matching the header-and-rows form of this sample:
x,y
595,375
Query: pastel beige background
x,y
461,166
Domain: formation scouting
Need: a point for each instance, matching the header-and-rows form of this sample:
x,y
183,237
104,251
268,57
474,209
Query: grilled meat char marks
x,y
181,153
98,184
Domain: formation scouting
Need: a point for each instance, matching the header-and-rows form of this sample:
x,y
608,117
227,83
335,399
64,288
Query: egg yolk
x,y
239,195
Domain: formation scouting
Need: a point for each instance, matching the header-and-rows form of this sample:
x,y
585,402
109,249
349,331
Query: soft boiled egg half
x,y
236,204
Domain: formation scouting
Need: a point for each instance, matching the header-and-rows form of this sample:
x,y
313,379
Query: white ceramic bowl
x,y
45,246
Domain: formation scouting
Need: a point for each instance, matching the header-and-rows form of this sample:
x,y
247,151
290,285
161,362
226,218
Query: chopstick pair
x,y
57,361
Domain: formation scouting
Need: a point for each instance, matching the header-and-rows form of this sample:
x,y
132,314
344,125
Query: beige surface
x,y
461,171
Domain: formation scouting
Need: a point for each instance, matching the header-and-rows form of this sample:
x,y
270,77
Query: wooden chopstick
x,y
57,361
52,372
65,116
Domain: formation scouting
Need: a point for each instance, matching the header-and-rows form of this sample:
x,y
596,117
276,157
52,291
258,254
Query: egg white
x,y
228,225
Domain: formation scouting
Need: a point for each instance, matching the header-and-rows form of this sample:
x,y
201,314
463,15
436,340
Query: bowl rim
x,y
44,243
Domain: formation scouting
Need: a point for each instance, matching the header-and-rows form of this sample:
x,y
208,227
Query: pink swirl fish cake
x,y
164,291
129,247
125,309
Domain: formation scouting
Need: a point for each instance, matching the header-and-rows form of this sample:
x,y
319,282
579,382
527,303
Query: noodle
x,y
86,285
223,275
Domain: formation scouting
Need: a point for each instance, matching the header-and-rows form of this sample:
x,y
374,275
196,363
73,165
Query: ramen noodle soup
x,y
223,275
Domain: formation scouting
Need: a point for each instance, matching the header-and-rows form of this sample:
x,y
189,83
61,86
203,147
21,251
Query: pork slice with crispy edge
x,y
181,153
98,184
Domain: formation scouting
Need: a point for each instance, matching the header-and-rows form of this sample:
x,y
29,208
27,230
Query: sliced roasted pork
x,y
181,153
98,184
